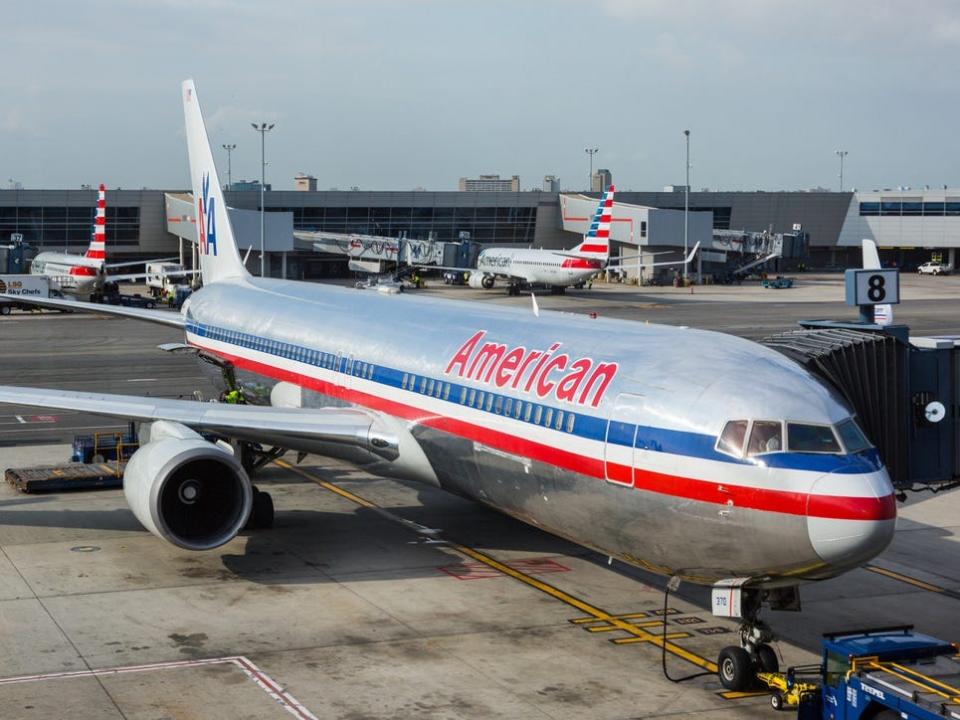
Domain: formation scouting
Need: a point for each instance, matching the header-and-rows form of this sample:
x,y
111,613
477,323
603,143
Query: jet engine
x,y
186,490
480,280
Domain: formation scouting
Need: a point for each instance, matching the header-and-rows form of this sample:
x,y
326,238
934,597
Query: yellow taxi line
x,y
595,613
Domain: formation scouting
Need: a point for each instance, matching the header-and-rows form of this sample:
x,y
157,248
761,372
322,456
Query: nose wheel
x,y
737,667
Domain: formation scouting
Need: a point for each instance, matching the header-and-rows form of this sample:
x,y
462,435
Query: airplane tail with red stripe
x,y
98,246
596,241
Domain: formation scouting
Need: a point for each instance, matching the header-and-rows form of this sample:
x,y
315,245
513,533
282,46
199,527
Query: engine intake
x,y
185,489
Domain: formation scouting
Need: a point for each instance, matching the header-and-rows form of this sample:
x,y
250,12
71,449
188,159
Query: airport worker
x,y
232,397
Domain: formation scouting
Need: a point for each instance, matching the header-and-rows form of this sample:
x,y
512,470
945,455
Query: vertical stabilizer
x,y
596,241
98,245
216,245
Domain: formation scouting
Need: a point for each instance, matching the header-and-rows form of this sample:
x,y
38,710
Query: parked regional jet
x,y
690,453
85,274
557,269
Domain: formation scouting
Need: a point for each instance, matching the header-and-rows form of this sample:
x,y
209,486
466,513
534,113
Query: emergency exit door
x,y
619,449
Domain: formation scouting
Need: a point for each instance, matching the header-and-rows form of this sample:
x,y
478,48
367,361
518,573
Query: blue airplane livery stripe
x,y
649,438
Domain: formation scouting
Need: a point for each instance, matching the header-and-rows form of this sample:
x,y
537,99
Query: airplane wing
x,y
141,275
139,262
162,317
687,259
291,428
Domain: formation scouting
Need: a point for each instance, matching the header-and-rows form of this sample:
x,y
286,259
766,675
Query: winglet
x,y
217,247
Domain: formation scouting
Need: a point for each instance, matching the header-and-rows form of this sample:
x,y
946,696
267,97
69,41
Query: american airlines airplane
x,y
85,274
78,274
557,269
689,453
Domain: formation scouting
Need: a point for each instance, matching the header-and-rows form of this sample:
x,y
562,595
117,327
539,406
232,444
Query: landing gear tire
x,y
767,659
4,309
776,701
513,290
735,669
261,515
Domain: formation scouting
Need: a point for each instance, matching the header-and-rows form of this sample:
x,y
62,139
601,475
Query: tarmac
x,y
348,608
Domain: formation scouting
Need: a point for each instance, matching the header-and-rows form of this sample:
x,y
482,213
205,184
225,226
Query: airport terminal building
x,y
909,226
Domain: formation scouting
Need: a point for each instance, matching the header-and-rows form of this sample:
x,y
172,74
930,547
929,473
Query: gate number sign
x,y
873,287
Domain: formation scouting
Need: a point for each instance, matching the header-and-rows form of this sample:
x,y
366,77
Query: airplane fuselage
x,y
601,431
538,267
72,274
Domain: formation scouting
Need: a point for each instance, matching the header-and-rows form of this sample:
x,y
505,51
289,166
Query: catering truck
x,y
14,286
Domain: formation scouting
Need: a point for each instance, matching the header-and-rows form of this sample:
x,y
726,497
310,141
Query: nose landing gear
x,y
737,667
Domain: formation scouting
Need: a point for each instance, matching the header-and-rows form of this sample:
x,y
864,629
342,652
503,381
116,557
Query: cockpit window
x,y
852,436
765,437
732,437
811,438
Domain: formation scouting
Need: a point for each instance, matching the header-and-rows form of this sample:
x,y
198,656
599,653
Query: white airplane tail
x,y
596,241
217,246
882,314
97,250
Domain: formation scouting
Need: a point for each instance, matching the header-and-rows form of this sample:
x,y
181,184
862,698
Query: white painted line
x,y
20,419
142,380
262,680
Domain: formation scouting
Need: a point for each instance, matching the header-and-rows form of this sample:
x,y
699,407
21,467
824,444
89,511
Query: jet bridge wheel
x,y
261,515
735,668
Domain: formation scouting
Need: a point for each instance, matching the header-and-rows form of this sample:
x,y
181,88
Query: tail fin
x,y
98,246
596,241
882,314
219,257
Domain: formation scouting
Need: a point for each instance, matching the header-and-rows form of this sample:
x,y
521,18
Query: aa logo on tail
x,y
207,220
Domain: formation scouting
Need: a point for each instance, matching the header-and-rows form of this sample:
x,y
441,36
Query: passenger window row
x,y
478,399
328,361
492,403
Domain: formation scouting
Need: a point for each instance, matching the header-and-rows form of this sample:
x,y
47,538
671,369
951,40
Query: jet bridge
x,y
905,392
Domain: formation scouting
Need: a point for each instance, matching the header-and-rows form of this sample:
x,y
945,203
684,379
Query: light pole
x,y
591,152
229,148
841,154
263,129
686,208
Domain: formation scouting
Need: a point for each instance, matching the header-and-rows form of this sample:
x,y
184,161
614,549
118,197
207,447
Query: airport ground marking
x,y
254,673
900,577
638,634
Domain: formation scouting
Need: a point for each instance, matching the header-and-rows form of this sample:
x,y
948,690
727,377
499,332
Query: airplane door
x,y
619,451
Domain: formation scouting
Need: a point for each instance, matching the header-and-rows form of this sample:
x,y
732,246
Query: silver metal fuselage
x,y
538,267
600,431
73,274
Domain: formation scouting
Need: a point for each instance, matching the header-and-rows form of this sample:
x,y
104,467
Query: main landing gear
x,y
737,666
261,516
252,456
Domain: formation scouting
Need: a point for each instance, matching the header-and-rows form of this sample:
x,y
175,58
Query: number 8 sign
x,y
873,287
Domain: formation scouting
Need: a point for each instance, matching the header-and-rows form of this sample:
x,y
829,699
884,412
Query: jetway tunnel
x,y
905,392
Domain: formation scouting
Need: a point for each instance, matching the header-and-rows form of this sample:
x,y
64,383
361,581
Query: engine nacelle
x,y
480,280
185,489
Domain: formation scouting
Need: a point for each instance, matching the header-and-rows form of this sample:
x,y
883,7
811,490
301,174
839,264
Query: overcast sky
x,y
416,93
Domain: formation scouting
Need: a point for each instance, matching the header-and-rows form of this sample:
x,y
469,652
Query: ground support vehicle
x,y
934,267
777,283
877,674
14,286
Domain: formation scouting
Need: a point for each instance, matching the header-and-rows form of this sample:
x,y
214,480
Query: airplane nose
x,y
851,520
